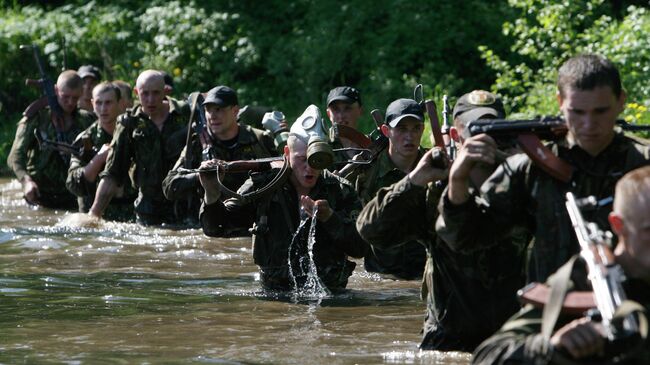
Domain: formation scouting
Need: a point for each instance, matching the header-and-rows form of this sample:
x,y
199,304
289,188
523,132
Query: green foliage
x,y
547,32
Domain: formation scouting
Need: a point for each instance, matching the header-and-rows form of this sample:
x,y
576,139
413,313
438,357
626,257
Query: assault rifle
x,y
50,96
450,144
604,274
85,152
526,134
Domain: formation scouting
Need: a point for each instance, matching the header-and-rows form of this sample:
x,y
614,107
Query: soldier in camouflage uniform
x,y
519,195
344,108
572,339
403,126
222,139
84,169
468,296
275,218
151,136
42,172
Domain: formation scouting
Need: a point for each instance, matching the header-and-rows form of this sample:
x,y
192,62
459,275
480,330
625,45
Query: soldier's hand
x,y
30,191
209,182
477,149
433,166
580,338
324,210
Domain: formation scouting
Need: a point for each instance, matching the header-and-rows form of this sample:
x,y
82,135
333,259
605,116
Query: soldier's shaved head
x,y
632,198
153,77
69,79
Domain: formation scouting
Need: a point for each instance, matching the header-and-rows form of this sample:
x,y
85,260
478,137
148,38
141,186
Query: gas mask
x,y
271,122
309,128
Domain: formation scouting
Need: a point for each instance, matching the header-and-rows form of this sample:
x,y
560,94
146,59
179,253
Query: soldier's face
x,y
590,116
152,95
344,113
89,84
301,173
404,137
222,120
106,106
68,98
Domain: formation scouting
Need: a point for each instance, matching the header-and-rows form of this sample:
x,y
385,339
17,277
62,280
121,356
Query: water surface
x,y
122,293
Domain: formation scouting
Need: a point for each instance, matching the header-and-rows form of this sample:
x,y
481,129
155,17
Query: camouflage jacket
x,y
138,141
120,208
275,220
45,166
520,341
519,194
468,296
407,260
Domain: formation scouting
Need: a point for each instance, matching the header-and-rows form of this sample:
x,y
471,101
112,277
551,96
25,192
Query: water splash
x,y
312,288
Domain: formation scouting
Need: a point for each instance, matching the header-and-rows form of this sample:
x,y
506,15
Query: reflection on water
x,y
121,293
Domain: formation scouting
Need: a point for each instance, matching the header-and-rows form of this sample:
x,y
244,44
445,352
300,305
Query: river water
x,y
123,293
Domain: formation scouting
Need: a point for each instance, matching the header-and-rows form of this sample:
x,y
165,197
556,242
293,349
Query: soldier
x,y
469,296
520,195
151,136
344,108
41,171
580,339
403,126
84,170
91,77
276,216
126,95
223,139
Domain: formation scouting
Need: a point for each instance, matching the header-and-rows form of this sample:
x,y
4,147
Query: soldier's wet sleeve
x,y
341,224
177,186
120,155
486,218
76,182
219,217
396,215
519,341
17,159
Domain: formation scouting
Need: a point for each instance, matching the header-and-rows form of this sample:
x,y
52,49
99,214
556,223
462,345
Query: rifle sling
x,y
278,180
544,158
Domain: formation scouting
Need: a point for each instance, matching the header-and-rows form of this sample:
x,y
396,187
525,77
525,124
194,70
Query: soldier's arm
x,y
17,159
487,217
218,216
116,169
397,214
24,139
106,189
339,221
178,186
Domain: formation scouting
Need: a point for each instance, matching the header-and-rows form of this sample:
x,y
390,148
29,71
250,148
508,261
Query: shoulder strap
x,y
559,283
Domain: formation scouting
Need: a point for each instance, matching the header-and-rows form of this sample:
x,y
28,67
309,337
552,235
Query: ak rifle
x,y
605,275
85,152
450,144
527,135
49,98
